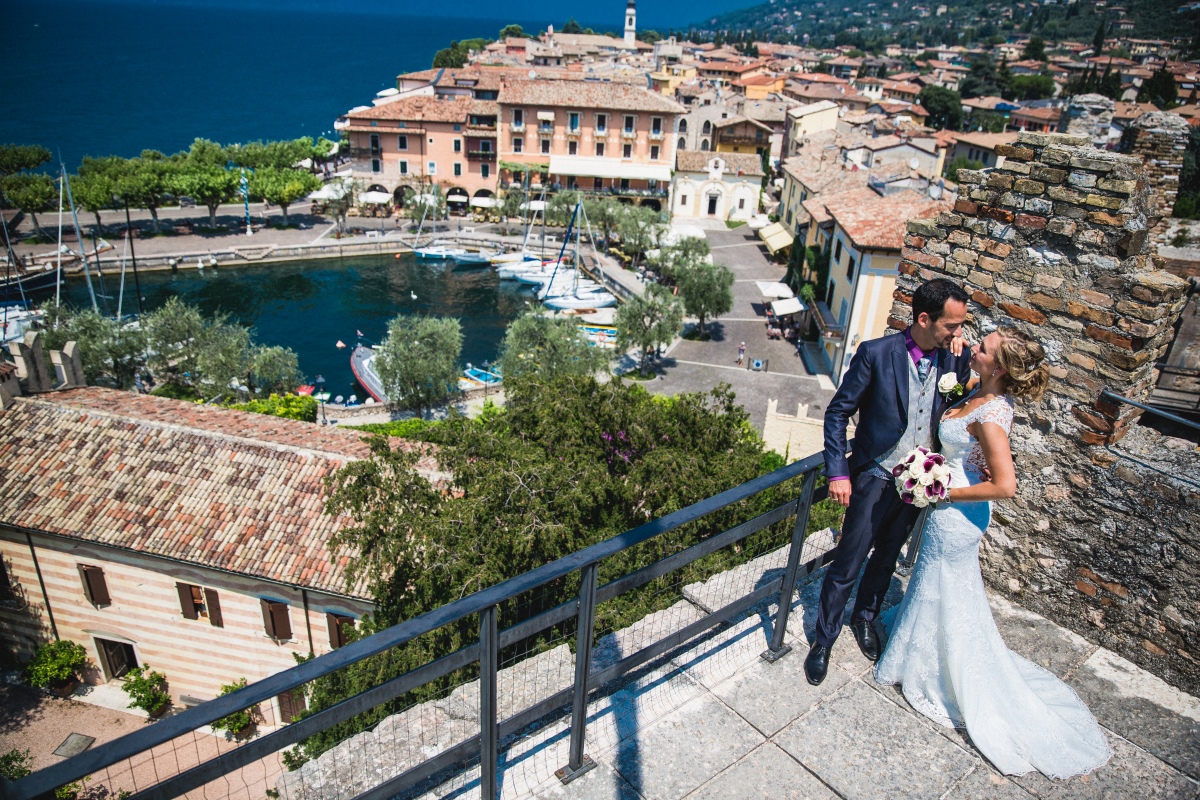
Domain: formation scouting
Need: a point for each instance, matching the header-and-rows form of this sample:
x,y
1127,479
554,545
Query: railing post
x,y
914,542
777,648
578,761
488,733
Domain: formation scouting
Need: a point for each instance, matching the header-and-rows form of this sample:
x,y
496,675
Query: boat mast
x,y
8,272
58,269
79,237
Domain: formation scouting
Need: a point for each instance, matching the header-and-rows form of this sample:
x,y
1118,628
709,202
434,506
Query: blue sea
x,y
100,78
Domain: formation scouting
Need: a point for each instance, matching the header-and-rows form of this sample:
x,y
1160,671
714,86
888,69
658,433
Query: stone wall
x,y
1160,140
1089,115
1104,534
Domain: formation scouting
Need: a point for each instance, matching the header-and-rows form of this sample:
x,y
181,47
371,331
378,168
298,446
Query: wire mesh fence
x,y
497,683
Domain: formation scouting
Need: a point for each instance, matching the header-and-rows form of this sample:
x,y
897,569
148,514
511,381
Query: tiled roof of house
x,y
7,370
697,161
587,94
224,489
738,119
1131,111
880,222
987,141
421,108
1047,114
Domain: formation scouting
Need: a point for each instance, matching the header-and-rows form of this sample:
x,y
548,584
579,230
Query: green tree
x,y
1098,39
95,187
571,26
16,158
986,121
706,290
561,207
206,153
32,194
980,80
208,185
1032,87
283,186
273,369
173,335
223,359
1034,49
454,56
418,361
1159,89
1110,83
514,30
111,352
339,205
604,215
682,254
944,107
641,228
281,155
425,204
648,321
14,764
962,162
145,183
548,348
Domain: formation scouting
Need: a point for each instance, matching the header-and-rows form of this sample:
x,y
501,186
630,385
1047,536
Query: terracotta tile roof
x,y
421,108
587,94
7,370
1131,111
1042,114
224,489
738,119
880,222
988,141
697,161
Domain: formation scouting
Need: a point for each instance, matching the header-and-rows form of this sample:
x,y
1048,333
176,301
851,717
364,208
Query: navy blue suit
x,y
875,386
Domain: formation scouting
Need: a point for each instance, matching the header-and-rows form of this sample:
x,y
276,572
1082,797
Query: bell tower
x,y
630,25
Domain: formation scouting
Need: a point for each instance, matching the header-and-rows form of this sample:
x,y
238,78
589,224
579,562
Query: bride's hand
x,y
957,344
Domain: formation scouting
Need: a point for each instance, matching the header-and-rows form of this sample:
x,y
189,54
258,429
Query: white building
x,y
718,185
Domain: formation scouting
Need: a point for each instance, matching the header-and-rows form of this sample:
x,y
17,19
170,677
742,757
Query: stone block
x,y
955,268
1025,314
1010,290
1082,361
1157,287
1015,167
971,176
959,238
1065,195
964,206
921,257
1070,212
979,226
948,220
1095,164
983,298
1056,156
907,268
1082,180
1095,298
982,279
1014,152
1142,311
1026,186
1104,218
1038,205
964,256
1090,314
914,241
998,249
1048,281
1109,337
984,196
1045,301
1066,323
1030,221
1061,226
1009,200
926,228
990,264
999,181
1046,174
998,214
1122,187
1090,238
1102,201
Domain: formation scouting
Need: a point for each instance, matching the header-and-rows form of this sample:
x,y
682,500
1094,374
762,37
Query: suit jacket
x,y
876,386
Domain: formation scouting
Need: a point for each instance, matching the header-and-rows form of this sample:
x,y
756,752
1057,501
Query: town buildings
x,y
718,185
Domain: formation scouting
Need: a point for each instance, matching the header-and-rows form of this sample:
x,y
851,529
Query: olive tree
x,y
418,361
648,321
548,348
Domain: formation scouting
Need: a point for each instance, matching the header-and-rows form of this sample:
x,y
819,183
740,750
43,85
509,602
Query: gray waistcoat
x,y
918,433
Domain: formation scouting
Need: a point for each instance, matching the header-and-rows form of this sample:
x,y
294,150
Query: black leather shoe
x,y
816,664
867,638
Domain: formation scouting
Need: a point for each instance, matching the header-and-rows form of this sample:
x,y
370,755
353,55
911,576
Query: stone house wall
x,y
1160,140
1104,533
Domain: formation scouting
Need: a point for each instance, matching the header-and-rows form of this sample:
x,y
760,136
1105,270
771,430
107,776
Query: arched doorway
x,y
375,187
457,200
652,203
402,194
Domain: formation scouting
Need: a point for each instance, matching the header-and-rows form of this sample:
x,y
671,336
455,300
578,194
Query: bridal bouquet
x,y
922,478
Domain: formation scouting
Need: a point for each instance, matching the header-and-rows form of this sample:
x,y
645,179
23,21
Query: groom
x,y
892,383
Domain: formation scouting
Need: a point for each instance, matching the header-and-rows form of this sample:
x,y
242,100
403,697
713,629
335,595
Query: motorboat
x,y
466,258
362,364
519,257
546,273
509,272
600,335
550,289
595,298
16,321
483,376
439,252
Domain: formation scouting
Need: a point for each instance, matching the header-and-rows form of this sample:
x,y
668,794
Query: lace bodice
x,y
959,446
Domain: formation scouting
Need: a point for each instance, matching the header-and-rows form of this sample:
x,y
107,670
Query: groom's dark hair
x,y
931,298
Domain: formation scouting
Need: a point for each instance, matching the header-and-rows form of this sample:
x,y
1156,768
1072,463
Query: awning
x,y
758,222
789,305
330,191
776,237
772,289
375,198
483,202
589,167
547,116
534,205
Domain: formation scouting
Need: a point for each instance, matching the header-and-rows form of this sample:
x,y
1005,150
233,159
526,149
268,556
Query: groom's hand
x,y
839,490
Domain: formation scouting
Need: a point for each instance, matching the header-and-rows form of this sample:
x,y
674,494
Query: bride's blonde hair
x,y
1024,363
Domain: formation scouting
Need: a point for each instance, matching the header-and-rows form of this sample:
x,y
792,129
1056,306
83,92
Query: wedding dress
x,y
947,655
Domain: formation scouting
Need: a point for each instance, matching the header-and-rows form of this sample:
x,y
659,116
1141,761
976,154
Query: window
x,y
681,144
401,124
431,140
624,184
403,167
376,165
337,625
518,118
654,152
630,120
457,127
572,148
601,123
656,125
485,170
597,184
789,217
683,201
457,169
627,151
94,585
573,121
850,270
458,145
518,144
197,603
402,142
837,251
599,148
707,129
843,311
277,619
742,205
683,126
485,146
704,145
432,168
545,146
374,142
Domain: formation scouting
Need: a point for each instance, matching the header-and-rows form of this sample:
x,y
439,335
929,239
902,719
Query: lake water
x,y
310,305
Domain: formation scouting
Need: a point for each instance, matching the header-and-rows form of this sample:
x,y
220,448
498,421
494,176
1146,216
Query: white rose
x,y
941,472
925,479
947,382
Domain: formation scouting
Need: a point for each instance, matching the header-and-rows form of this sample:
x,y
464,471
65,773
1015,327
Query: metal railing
x,y
1168,394
1185,424
579,611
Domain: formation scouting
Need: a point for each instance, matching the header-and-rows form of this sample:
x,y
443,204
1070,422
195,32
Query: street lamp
x,y
321,396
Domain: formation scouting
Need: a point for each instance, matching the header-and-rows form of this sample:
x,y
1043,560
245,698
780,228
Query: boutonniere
x,y
950,388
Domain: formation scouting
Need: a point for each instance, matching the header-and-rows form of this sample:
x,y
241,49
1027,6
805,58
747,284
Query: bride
x,y
944,649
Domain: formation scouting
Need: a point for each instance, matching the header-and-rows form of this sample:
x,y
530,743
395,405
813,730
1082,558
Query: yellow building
x,y
741,134
670,77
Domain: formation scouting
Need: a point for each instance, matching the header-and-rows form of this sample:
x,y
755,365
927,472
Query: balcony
x,y
729,138
657,135
629,134
574,131
546,128
827,323
481,155
357,153
518,127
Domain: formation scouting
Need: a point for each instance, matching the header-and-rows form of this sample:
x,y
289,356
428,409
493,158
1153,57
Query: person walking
x,y
741,353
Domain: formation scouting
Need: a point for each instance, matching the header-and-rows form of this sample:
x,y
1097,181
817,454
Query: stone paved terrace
x,y
716,721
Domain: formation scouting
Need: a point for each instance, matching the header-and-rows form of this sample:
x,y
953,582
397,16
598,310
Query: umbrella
x,y
375,198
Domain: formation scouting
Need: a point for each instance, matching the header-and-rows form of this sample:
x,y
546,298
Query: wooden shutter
x,y
214,608
337,632
291,705
94,585
186,604
283,620
268,619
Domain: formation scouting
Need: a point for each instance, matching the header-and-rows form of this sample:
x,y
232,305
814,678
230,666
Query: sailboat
x,y
577,295
434,251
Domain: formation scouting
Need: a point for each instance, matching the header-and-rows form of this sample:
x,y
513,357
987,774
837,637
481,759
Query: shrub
x,y
175,391
55,662
238,721
288,406
147,690
404,428
14,765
